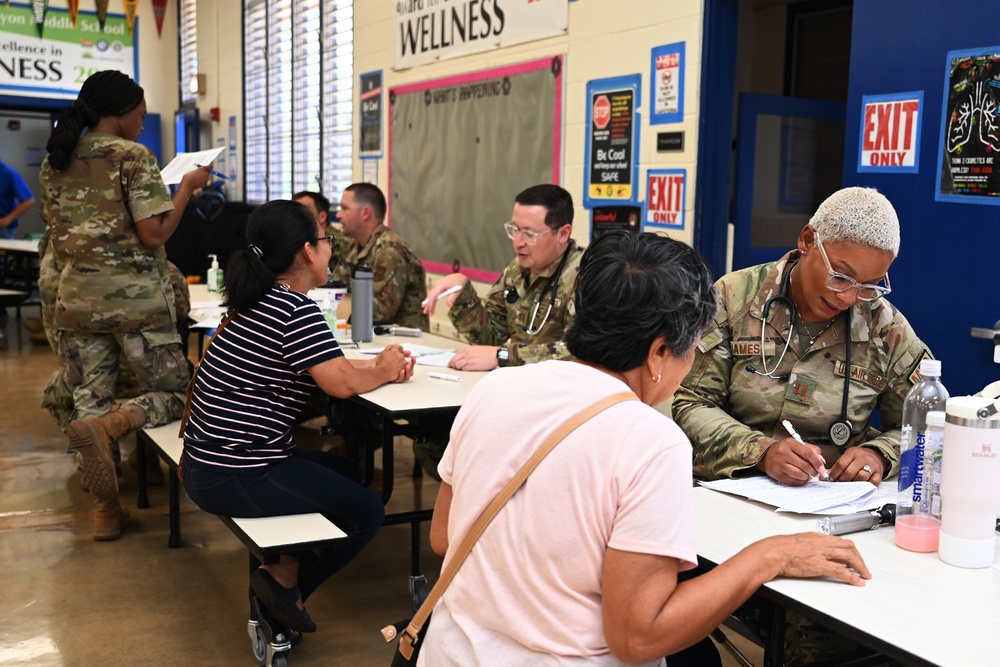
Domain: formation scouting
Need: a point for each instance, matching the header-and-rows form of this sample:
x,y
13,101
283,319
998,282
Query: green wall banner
x,y
56,64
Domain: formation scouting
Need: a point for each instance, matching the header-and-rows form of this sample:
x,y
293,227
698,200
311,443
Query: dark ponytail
x,y
106,93
276,231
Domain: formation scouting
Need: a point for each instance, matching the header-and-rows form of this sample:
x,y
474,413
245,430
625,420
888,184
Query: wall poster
x,y
970,128
55,65
370,134
611,164
890,132
666,84
604,219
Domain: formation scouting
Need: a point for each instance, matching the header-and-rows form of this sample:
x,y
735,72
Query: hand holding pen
x,y
214,172
791,461
821,470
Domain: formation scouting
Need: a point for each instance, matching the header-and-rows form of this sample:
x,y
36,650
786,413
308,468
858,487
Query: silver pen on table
x,y
445,376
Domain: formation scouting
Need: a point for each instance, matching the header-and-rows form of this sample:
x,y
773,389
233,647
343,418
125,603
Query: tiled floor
x,y
70,601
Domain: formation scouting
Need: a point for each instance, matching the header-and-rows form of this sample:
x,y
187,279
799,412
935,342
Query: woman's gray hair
x,y
858,215
633,289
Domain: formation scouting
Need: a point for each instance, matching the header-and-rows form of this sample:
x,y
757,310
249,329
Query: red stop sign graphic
x,y
602,112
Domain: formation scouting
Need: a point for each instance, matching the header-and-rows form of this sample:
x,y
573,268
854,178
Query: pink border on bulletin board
x,y
470,77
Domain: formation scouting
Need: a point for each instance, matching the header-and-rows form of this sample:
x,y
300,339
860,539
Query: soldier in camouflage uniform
x,y
732,411
57,397
108,214
398,285
525,313
320,205
523,317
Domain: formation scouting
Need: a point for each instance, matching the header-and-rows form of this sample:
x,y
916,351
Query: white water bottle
x,y
918,506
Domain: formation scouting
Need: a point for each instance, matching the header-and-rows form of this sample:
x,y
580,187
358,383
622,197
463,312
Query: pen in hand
x,y
447,292
798,438
214,172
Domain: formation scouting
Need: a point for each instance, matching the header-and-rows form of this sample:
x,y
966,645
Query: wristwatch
x,y
503,357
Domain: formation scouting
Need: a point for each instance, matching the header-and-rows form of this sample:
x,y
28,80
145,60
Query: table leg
x,y
142,500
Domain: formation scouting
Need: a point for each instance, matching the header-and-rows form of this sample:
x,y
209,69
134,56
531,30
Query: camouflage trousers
x,y
156,378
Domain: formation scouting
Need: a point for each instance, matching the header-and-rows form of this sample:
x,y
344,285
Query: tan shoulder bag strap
x,y
410,635
190,388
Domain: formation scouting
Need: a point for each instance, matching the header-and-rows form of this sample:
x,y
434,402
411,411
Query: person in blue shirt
x,y
15,199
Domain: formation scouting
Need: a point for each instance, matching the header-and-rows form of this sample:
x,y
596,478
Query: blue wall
x,y
945,280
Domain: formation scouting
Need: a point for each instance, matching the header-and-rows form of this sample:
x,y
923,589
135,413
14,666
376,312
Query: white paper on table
x,y
886,493
439,360
208,323
206,318
185,162
413,349
812,498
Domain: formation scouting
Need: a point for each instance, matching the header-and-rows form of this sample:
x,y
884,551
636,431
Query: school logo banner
x,y
55,64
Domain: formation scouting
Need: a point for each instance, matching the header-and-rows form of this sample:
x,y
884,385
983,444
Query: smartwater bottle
x,y
362,328
918,505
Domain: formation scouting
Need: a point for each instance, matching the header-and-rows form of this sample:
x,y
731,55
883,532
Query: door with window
x,y
789,158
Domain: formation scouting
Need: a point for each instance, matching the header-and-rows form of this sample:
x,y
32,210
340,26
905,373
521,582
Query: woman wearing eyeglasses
x,y
777,353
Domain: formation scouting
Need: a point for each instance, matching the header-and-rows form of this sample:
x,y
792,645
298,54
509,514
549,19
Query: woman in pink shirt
x,y
581,565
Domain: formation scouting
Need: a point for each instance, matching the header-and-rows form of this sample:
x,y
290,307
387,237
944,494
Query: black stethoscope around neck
x,y
840,430
511,296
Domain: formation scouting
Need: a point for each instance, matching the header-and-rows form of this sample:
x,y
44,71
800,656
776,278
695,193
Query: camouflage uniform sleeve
x,y
722,445
389,283
340,246
903,374
147,194
182,294
482,323
530,354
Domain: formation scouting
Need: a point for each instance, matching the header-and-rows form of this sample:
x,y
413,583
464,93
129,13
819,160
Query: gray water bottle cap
x,y
930,368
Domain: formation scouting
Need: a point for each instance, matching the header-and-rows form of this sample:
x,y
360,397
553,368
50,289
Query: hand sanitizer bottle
x,y
214,276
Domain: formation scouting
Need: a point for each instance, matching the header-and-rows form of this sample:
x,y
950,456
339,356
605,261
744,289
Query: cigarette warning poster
x,y
970,128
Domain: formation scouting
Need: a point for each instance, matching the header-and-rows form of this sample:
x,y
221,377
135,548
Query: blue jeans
x,y
7,232
308,481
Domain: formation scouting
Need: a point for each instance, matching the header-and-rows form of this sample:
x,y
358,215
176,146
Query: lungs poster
x,y
970,128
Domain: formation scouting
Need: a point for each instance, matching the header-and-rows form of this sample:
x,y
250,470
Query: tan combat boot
x,y
109,519
92,438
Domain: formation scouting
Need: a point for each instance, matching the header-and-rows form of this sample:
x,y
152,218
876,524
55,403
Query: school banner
x,y
426,31
56,64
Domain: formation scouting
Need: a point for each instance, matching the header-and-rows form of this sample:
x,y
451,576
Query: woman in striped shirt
x,y
240,457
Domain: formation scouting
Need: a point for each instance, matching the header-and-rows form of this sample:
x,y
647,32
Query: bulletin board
x,y
460,149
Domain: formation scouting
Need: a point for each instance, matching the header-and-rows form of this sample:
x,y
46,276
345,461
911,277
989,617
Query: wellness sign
x,y
56,65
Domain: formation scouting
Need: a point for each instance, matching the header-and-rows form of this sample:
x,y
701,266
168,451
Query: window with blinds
x,y
188,36
298,92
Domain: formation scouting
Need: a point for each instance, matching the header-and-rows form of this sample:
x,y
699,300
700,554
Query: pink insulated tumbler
x,y
970,481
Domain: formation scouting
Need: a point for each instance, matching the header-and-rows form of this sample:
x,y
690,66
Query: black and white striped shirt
x,y
254,381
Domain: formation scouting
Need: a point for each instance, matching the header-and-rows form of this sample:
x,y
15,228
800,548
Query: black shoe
x,y
281,603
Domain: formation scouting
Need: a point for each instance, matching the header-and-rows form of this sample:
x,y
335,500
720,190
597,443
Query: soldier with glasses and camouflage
x,y
778,350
